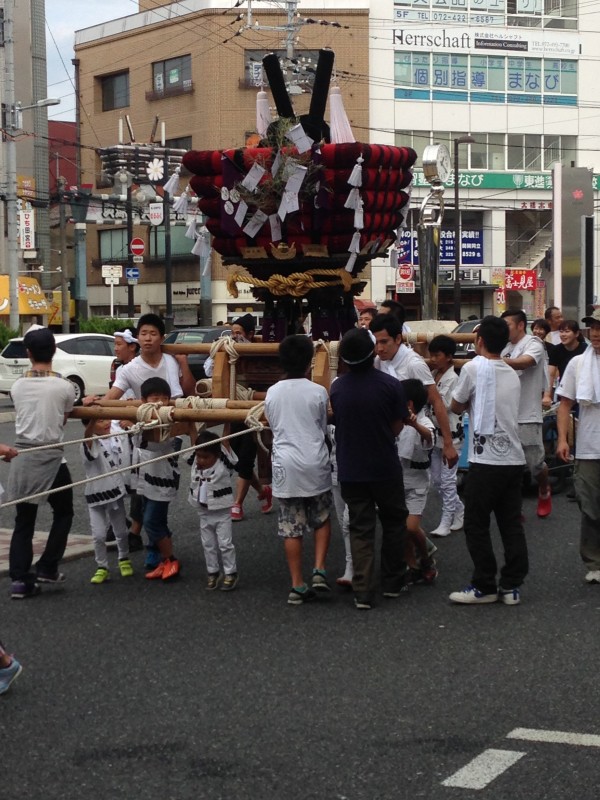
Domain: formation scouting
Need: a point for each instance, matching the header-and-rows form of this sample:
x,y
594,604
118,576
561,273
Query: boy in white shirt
x,y
210,493
297,412
490,390
105,496
415,443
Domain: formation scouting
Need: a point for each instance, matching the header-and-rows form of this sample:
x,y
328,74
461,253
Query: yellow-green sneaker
x,y
100,576
125,567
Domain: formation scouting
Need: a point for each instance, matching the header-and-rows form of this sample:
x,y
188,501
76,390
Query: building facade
x,y
518,77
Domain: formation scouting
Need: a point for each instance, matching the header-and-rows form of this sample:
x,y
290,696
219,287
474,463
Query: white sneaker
x,y
458,519
443,529
510,597
593,576
472,596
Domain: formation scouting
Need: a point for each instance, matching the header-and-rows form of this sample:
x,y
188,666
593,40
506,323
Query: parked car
x,y
82,358
466,349
197,336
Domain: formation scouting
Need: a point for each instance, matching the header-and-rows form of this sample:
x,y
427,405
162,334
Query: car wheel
x,y
79,388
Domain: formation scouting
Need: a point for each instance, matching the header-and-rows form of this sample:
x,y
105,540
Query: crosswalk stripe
x,y
483,769
555,737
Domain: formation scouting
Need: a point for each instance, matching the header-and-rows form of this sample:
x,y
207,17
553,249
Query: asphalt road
x,y
138,690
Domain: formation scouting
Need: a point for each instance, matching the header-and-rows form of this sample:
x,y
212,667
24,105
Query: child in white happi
x,y
105,496
211,493
443,478
341,512
415,443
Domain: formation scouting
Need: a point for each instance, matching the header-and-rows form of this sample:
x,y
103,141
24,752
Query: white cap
x,y
127,335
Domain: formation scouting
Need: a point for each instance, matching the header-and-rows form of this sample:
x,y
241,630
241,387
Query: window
x,y
113,245
523,13
181,143
485,79
300,71
173,76
497,152
115,91
180,244
86,346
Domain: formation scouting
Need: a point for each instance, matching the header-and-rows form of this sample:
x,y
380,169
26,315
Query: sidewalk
x,y
77,546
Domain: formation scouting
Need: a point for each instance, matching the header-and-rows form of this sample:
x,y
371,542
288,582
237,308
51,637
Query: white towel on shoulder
x,y
587,388
484,410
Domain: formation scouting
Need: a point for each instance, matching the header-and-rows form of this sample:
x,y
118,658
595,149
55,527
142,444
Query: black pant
x,y
365,501
21,544
495,489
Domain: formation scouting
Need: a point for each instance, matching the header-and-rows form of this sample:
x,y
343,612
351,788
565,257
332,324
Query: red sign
x,y
405,272
137,246
524,279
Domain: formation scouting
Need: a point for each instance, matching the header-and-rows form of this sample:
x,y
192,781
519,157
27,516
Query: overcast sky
x,y
63,17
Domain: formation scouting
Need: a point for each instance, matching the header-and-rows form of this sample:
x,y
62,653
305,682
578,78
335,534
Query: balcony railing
x,y
172,91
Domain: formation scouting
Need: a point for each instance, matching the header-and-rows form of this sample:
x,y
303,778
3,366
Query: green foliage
x,y
6,334
106,325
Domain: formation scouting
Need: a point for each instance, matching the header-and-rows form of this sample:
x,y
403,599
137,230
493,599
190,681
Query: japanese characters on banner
x,y
500,293
520,280
471,248
27,228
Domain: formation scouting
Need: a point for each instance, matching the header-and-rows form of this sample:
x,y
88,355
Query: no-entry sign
x,y
137,246
405,272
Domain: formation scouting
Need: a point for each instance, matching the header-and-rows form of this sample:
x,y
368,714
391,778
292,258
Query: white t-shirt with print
x,y
503,448
406,364
297,414
588,428
533,379
132,375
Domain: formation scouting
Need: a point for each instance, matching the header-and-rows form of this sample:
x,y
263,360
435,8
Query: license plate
x,y
17,370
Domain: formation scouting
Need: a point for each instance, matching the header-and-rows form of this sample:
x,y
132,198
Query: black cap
x,y
42,337
247,322
356,346
593,318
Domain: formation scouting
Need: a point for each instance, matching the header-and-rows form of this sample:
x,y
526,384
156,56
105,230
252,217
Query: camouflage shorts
x,y
300,515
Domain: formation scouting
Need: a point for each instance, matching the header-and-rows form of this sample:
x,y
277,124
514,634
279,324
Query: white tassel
x,y
172,185
350,263
355,243
190,231
353,200
263,113
198,246
355,178
341,131
180,206
359,217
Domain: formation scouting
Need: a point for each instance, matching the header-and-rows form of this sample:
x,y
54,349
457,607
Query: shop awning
x,y
32,299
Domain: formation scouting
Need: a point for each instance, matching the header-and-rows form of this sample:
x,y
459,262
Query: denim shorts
x,y
300,515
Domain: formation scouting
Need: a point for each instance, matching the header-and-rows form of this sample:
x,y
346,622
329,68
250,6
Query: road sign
x,y
112,281
132,273
137,246
112,271
138,259
405,272
405,287
132,281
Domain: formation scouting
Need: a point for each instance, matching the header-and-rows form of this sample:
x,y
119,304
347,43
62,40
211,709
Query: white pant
x,y
101,517
444,480
341,512
216,534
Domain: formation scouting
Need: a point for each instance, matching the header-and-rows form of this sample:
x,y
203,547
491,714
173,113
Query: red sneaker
x,y
544,504
171,569
237,512
266,498
157,572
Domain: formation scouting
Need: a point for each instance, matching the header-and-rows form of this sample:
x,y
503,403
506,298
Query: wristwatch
x,y
436,163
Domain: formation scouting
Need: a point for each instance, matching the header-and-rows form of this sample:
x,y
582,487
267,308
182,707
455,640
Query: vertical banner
x,y
27,229
498,279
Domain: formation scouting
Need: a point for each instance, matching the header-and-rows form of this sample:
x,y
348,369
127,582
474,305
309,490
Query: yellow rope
x,y
297,284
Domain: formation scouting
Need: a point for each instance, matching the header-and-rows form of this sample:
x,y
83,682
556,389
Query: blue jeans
x,y
155,520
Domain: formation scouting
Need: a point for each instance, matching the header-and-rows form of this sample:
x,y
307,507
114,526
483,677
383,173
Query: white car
x,y
82,358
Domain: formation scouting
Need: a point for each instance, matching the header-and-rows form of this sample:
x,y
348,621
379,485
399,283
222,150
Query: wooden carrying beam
x,y
212,416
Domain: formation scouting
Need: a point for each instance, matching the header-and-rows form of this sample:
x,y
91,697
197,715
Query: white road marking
x,y
483,769
555,737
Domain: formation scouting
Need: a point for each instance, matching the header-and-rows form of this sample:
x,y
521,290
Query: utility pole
x,y
130,286
64,278
11,164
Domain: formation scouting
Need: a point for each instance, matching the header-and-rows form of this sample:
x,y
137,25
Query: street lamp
x,y
457,242
13,124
